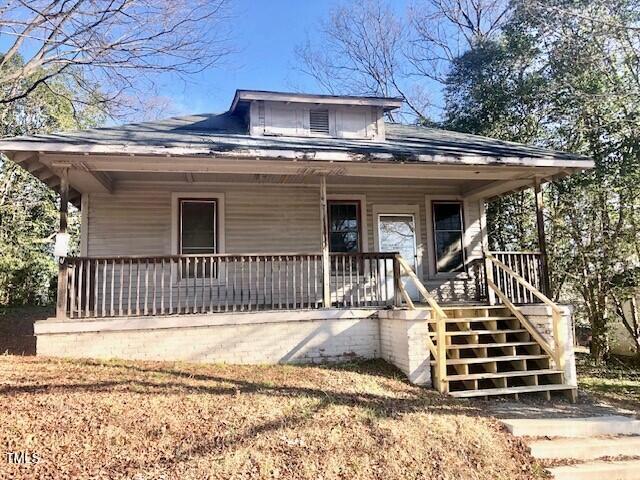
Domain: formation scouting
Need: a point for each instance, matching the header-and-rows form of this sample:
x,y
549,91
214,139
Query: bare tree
x,y
107,50
444,29
360,51
367,48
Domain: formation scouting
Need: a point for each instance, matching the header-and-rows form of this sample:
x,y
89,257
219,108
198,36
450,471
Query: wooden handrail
x,y
558,353
515,252
421,288
518,278
523,320
233,255
439,351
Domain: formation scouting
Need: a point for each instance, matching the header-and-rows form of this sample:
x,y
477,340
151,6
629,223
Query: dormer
x,y
322,116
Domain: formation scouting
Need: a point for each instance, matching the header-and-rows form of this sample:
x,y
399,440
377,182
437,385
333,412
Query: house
x,y
303,228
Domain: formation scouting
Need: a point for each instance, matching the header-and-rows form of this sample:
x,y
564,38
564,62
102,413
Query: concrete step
x,y
510,390
586,448
573,427
599,470
487,375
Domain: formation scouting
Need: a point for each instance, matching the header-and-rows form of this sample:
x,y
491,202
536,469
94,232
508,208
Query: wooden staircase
x,y
489,352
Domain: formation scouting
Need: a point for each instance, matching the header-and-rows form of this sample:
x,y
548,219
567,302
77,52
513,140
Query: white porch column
x,y
326,291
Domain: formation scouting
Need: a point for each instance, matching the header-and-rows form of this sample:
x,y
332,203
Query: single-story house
x,y
303,228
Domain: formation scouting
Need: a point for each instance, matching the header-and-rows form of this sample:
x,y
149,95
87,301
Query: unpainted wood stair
x,y
490,353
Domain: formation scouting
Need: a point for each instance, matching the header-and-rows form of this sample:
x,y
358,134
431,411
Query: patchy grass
x,y
90,419
616,382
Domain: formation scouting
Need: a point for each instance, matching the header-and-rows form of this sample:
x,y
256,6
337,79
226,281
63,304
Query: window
x,y
198,229
319,121
448,236
344,226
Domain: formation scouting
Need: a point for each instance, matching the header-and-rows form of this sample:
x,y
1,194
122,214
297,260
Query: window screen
x,y
344,227
198,234
448,232
319,121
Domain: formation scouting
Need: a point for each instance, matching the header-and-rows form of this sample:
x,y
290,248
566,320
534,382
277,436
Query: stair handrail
x,y
556,353
439,351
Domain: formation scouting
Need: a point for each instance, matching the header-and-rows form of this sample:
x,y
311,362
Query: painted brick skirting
x,y
313,336
298,337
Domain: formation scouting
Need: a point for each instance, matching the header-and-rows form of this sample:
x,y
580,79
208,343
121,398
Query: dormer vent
x,y
305,115
319,121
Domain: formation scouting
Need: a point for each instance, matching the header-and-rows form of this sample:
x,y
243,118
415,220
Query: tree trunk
x,y
599,340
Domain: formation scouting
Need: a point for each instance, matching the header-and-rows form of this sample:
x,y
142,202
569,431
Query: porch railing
x,y
555,350
170,285
528,265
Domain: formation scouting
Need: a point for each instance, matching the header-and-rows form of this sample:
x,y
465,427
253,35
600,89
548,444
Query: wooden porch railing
x,y
528,265
511,277
170,285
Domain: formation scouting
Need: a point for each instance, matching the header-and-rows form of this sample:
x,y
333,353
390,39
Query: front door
x,y
397,233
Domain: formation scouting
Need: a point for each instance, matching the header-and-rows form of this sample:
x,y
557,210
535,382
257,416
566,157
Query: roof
x,y
245,96
226,134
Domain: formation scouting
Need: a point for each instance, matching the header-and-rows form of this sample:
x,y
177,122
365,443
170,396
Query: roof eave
x,y
290,154
387,103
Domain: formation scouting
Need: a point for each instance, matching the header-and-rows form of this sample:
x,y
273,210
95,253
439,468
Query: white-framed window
x,y
197,228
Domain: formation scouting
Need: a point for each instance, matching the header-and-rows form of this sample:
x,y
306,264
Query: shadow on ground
x,y
16,329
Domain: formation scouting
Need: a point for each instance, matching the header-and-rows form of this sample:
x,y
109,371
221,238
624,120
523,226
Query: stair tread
x,y
516,373
472,307
486,332
474,319
511,390
462,346
502,358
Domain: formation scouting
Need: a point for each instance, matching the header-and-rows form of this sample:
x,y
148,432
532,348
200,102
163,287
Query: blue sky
x,y
264,36
266,33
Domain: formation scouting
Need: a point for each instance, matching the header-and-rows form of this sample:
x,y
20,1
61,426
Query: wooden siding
x,y
137,220
292,119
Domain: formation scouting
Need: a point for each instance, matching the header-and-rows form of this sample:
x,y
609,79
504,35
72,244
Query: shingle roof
x,y
215,133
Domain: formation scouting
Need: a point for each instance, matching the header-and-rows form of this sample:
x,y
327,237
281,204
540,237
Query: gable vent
x,y
319,121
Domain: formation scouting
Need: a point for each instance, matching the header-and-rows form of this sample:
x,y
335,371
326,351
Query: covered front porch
x,y
218,239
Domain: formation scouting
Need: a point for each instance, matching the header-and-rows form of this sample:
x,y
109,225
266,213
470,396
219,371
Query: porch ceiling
x,y
460,185
99,173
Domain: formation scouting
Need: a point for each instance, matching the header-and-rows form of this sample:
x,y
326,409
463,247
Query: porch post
x,y
542,242
61,301
488,266
326,268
